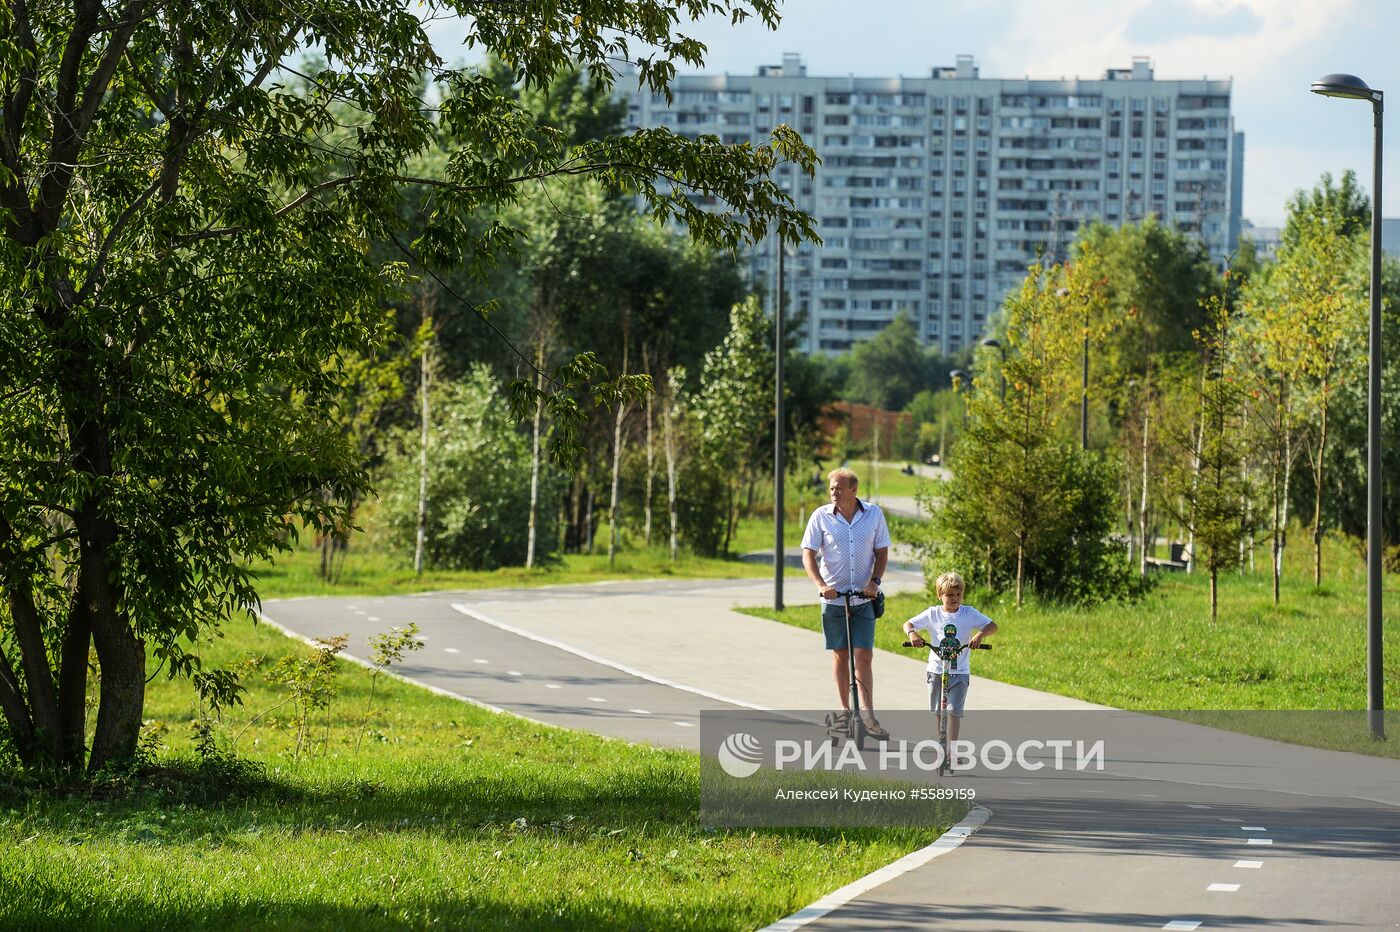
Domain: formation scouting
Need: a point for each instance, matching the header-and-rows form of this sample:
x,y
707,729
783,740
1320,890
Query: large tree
x,y
187,219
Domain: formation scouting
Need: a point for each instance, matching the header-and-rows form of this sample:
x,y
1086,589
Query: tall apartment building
x,y
934,194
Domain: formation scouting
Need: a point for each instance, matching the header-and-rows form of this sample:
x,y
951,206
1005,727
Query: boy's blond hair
x,y
949,581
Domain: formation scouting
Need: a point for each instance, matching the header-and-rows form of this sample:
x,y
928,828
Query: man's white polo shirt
x,y
846,549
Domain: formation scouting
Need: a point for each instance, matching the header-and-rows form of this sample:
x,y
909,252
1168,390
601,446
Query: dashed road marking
x,y
480,660
552,686
1259,841
639,711
596,699
1224,819
373,618
1254,864
450,650
1223,888
1182,925
514,673
1197,806
1253,828
684,724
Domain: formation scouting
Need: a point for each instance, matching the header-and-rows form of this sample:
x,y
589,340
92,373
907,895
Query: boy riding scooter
x,y
954,630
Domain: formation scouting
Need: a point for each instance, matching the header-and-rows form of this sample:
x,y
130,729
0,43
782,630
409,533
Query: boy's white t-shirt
x,y
931,621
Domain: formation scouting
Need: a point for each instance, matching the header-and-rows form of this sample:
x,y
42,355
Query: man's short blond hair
x,y
948,582
847,476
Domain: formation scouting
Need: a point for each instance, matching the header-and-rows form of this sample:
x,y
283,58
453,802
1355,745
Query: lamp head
x,y
992,342
1344,85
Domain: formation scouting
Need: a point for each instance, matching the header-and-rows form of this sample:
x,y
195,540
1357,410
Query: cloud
x,y
1165,20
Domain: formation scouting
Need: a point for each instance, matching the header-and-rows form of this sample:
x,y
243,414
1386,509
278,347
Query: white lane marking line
x,y
631,671
948,841
1224,819
552,686
480,660
1255,864
596,699
450,650
352,607
639,711
684,724
373,618
1259,841
1253,828
1149,795
514,673
358,612
1022,782
1182,925
1223,888
1196,806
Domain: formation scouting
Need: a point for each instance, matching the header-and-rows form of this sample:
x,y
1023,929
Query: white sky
x,y
1273,49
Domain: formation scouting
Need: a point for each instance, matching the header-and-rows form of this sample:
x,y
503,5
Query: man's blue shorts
x,y
862,625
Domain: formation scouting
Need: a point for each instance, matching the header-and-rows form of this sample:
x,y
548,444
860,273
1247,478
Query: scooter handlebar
x,y
924,643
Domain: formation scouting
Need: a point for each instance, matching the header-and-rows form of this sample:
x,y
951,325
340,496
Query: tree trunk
x,y
16,713
1283,503
576,520
668,436
613,510
1274,509
1199,441
1214,595
72,686
1142,500
121,654
1020,568
588,520
651,457
535,460
424,418
1317,494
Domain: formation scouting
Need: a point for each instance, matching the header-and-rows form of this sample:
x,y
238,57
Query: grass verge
x,y
446,815
1307,653
368,571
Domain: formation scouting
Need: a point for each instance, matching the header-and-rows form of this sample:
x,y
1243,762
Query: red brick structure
x,y
861,422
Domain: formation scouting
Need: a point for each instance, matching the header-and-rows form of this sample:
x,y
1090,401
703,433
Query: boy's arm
x,y
989,628
917,623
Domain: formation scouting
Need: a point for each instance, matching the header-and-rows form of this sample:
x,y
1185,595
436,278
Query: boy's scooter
x,y
946,650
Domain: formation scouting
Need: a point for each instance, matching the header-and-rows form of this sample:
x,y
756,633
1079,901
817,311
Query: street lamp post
x,y
1352,87
996,344
779,422
779,466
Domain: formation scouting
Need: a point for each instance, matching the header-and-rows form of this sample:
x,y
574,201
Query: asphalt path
x,y
1147,847
481,662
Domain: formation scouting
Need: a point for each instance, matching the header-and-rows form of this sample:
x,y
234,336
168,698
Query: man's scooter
x,y
946,650
853,728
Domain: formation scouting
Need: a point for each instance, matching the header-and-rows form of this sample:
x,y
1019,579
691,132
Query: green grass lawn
x,y
1164,653
447,816
370,571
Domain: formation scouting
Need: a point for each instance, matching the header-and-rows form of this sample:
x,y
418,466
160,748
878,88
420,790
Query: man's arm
x,y
809,563
882,559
